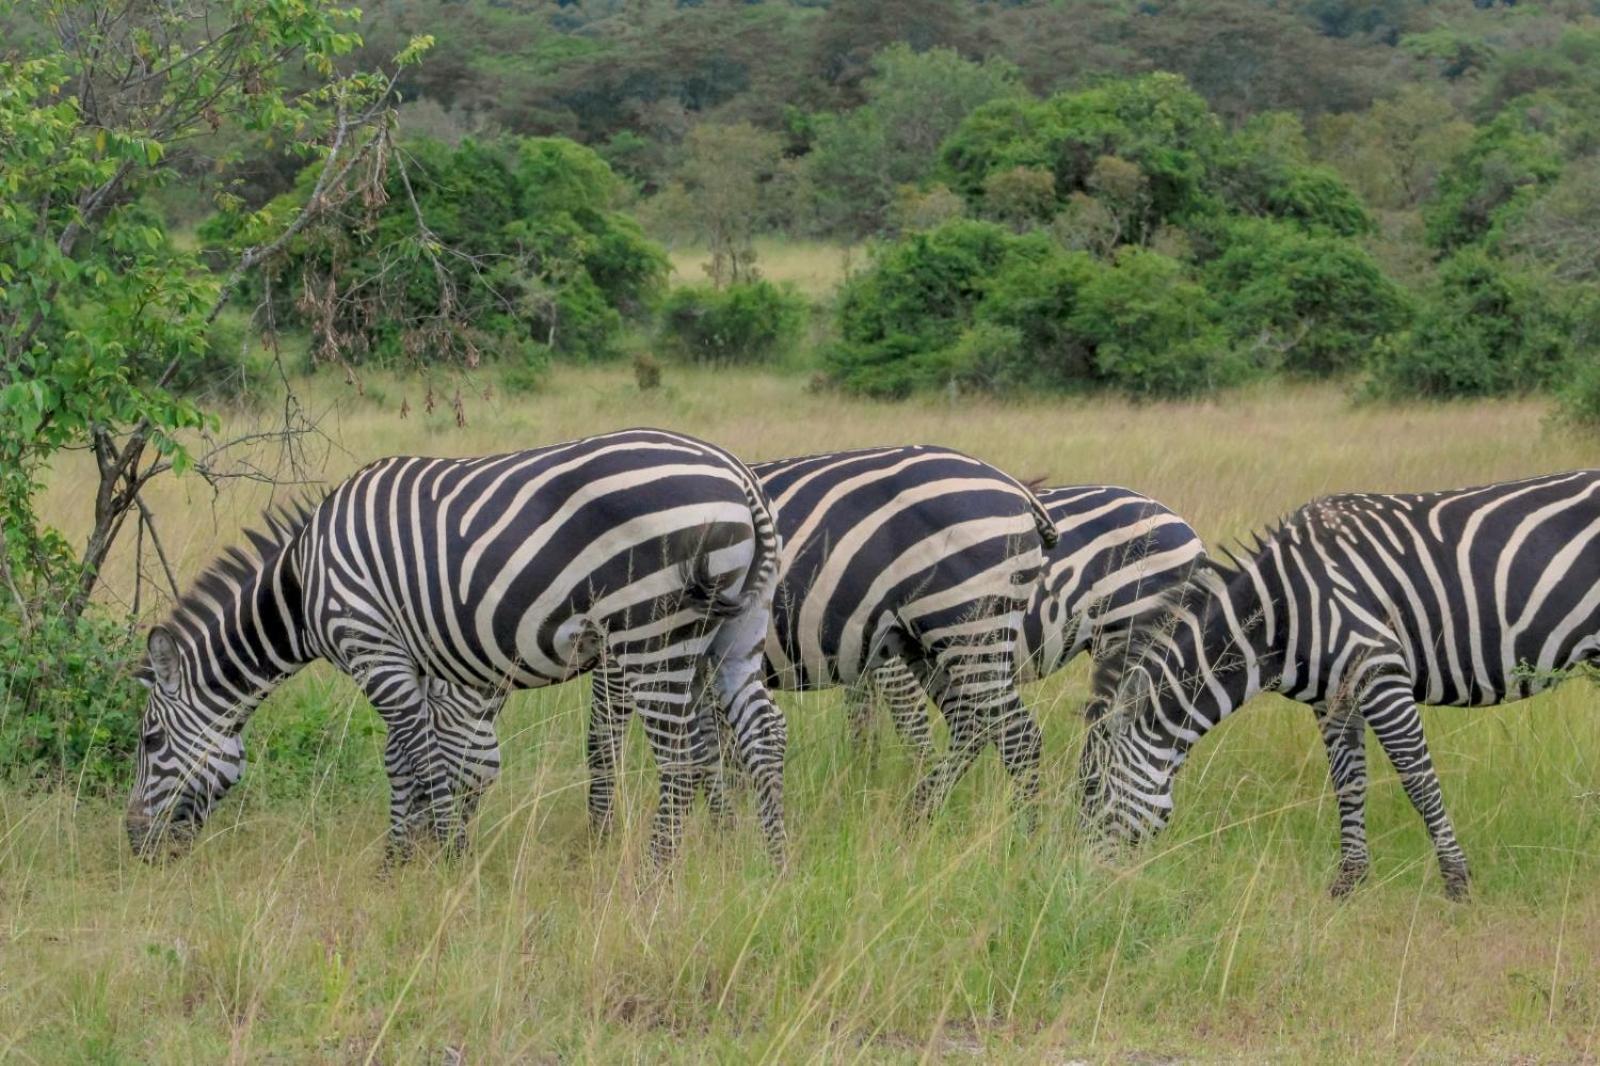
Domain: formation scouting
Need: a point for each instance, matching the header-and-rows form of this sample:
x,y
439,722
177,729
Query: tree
x,y
98,310
729,173
1393,152
914,100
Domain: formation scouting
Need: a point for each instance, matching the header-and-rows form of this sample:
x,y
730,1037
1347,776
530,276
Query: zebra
x,y
439,585
1118,551
917,553
1362,605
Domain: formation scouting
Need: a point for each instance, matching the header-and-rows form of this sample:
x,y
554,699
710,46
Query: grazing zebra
x,y
439,584
916,553
1363,606
1118,551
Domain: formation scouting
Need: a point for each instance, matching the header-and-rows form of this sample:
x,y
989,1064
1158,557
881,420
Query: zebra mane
x,y
1114,656
236,567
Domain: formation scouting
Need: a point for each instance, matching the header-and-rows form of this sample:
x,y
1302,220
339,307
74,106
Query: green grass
x,y
277,940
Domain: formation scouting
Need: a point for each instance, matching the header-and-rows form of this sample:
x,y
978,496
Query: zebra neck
x,y
258,639
1217,657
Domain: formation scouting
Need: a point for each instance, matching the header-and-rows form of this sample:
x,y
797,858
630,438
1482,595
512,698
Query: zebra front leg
x,y
1344,732
609,706
419,775
406,815
463,721
1389,707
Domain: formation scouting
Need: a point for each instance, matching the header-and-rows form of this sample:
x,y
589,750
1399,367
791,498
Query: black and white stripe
x,y
1364,606
439,584
920,554
1118,551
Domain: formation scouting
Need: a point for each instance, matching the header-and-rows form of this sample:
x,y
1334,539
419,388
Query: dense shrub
x,y
1485,330
1503,169
974,305
526,229
1157,123
1309,303
896,319
1578,399
1153,331
750,322
1266,170
69,703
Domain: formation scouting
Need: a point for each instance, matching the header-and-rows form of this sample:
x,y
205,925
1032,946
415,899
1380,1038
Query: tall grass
x,y
277,939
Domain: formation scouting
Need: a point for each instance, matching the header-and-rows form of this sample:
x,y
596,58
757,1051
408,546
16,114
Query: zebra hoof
x,y
1456,886
1351,875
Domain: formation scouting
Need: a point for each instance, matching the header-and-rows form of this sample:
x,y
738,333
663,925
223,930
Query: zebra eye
x,y
152,740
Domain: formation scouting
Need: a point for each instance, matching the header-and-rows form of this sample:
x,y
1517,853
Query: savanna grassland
x,y
277,940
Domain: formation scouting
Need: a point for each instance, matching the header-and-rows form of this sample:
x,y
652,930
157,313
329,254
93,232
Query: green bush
x,y
1153,331
1155,122
1485,330
525,227
974,305
1578,400
69,703
750,322
896,319
1503,169
1313,304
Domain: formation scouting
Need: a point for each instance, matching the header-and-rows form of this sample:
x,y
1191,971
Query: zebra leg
x,y
419,790
1388,706
907,707
464,729
759,733
1344,732
609,706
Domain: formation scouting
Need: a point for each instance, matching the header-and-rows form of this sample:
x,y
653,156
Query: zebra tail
x,y
707,595
1043,522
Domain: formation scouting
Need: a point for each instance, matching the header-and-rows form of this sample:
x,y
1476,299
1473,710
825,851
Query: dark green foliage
x,y
1155,122
973,305
1154,331
1266,170
1503,168
1310,303
859,158
896,319
1578,399
69,704
539,261
747,322
1485,330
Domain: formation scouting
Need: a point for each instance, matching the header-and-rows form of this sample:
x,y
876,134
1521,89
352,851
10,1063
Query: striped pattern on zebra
x,y
918,553
1364,606
1118,551
439,584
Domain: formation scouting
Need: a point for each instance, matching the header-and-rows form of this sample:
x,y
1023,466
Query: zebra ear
x,y
163,654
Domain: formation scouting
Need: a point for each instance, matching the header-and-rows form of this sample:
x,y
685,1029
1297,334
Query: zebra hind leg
x,y
609,707
908,708
759,733
1390,709
1344,733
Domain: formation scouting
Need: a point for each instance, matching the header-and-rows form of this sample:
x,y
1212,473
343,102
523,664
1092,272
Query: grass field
x,y
814,268
276,940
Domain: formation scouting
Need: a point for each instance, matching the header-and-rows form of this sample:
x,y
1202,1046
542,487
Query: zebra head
x,y
190,752
1198,655
231,640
